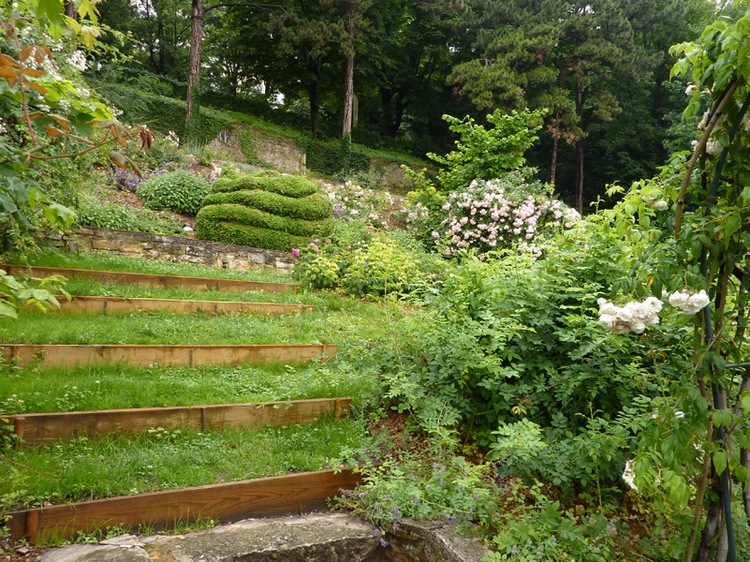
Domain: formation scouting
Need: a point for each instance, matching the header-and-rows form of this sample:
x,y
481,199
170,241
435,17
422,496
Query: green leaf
x,y
720,461
53,11
7,310
745,400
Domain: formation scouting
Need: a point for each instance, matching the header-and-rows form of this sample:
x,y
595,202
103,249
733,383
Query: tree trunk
x,y
162,44
196,41
713,525
346,129
580,146
553,164
312,93
70,10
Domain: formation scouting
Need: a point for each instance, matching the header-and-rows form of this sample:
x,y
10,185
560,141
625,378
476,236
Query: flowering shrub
x,y
353,202
314,269
689,302
497,214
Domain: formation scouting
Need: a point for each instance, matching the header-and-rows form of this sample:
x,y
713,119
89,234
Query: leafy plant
x,y
180,191
487,153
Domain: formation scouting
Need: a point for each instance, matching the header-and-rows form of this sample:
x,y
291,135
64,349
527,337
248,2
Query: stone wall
x,y
283,153
174,249
393,178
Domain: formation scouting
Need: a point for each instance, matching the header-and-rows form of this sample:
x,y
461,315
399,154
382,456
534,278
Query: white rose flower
x,y
689,302
713,147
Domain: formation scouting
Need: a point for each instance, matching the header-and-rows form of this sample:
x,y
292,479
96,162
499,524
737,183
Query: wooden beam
x,y
61,355
151,280
124,304
262,497
42,428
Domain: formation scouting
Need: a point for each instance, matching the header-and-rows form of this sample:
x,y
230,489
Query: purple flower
x,y
295,252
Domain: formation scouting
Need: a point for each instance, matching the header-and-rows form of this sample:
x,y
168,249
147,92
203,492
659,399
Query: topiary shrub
x,y
265,210
255,217
210,226
290,186
313,207
179,191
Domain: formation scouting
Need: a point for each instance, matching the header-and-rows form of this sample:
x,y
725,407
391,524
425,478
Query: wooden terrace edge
x,y
261,497
98,304
36,428
152,280
63,355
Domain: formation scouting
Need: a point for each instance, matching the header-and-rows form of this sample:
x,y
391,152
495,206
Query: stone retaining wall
x,y
173,248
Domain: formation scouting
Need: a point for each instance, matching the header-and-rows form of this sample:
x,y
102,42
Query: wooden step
x,y
152,280
262,497
42,428
125,304
61,355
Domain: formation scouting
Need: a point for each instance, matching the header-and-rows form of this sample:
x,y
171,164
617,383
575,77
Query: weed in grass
x,y
354,320
85,469
112,262
101,387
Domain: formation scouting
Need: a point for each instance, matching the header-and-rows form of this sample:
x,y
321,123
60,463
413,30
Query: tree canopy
x,y
598,68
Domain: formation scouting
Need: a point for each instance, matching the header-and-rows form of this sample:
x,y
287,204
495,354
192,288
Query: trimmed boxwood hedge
x,y
291,186
313,207
244,235
253,217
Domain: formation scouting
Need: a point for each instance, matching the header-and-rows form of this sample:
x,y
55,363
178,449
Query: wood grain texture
x,y
122,304
263,497
151,280
60,355
46,427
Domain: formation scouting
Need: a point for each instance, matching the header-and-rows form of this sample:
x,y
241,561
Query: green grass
x,y
86,469
103,387
112,262
344,320
97,288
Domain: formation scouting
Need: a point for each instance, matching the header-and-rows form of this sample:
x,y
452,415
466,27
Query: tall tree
x,y
584,62
411,47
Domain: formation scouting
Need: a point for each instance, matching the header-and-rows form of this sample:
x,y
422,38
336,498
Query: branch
x,y
716,112
243,4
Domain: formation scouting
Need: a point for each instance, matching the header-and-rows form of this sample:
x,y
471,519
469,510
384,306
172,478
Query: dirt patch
x,y
14,552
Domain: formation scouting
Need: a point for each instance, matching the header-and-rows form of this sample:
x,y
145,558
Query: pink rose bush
x,y
501,213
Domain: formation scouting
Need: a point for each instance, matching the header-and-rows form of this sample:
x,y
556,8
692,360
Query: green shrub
x,y
253,217
290,186
229,232
312,207
334,157
163,113
317,271
381,268
179,191
103,214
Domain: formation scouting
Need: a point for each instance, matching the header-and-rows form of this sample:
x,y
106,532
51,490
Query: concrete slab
x,y
319,537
